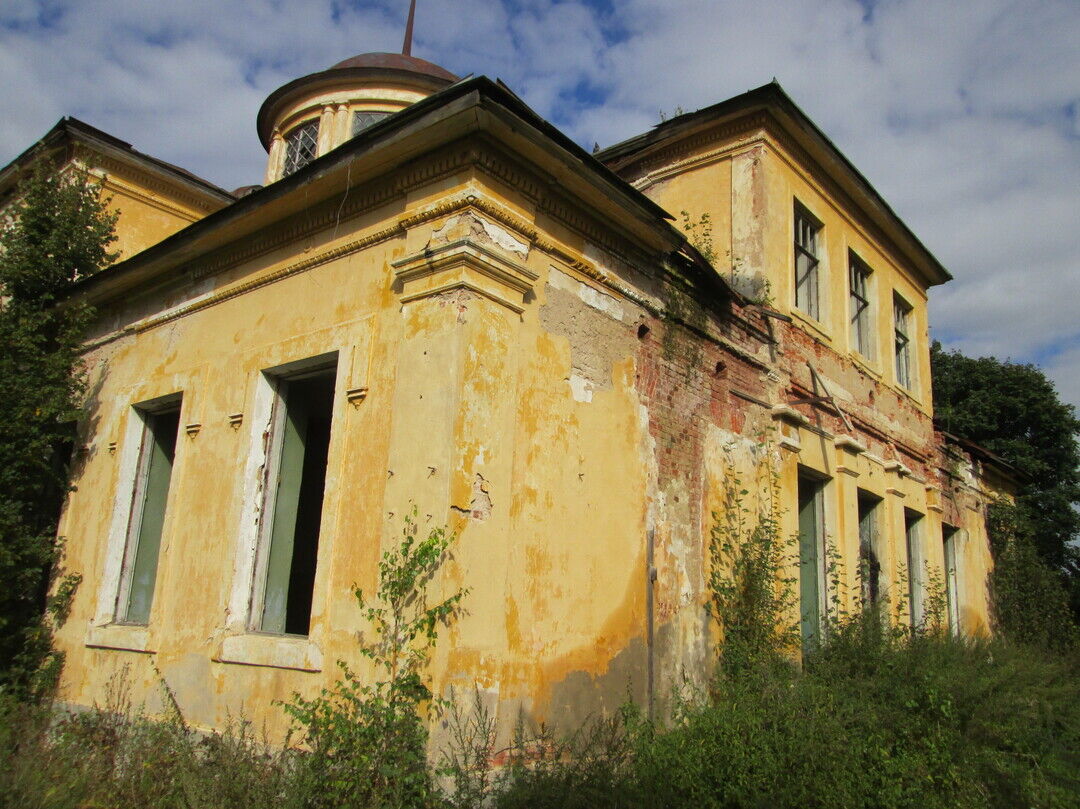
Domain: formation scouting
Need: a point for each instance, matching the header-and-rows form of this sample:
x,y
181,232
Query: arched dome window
x,y
301,146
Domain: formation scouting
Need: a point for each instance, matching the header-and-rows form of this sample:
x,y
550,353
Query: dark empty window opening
x,y
301,439
154,473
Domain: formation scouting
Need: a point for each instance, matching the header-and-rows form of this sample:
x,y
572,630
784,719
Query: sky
x,y
964,114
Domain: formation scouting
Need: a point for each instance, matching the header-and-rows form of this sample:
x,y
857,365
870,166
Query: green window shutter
x,y
810,541
152,494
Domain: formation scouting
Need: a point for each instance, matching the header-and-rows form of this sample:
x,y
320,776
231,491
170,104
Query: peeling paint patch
x,y
600,301
581,388
470,226
457,298
480,505
598,340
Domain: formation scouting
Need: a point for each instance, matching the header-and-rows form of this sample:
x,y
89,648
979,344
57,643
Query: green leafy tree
x,y
1014,411
55,233
1030,600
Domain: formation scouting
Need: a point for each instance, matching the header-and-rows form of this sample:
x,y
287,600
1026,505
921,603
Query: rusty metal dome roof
x,y
396,61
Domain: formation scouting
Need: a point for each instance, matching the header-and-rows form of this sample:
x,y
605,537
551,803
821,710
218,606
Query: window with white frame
x,y
862,335
902,340
301,146
293,487
807,263
157,450
365,118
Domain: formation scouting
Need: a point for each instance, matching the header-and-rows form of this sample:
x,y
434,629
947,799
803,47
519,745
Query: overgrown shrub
x,y
749,599
367,741
881,715
120,758
879,719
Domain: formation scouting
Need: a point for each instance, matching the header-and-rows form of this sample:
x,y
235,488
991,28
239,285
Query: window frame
x,y
815,485
807,230
860,309
294,157
278,379
951,536
148,414
356,128
871,579
914,523
903,319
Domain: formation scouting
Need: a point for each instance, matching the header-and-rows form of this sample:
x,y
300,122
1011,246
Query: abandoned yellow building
x,y
437,300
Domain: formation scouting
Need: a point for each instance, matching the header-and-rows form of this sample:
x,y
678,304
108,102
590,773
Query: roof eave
x,y
466,103
772,98
78,132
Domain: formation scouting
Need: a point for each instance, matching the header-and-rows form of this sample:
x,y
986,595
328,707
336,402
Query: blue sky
x,y
965,114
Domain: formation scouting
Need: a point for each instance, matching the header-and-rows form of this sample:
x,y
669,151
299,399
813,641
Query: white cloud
x,y
964,114
1064,369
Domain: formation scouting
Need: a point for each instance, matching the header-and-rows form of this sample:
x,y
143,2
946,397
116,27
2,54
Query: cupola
x,y
311,115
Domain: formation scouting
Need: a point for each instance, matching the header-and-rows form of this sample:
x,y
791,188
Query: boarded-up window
x,y
161,422
295,479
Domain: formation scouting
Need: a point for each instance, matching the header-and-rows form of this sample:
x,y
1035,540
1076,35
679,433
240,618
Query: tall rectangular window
x,y
807,263
861,316
811,560
295,477
916,566
950,537
301,146
161,423
902,340
869,549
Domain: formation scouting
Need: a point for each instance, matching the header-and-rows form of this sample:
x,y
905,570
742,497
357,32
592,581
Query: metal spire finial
x,y
406,48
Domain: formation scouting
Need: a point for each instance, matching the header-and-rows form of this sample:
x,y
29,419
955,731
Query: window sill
x,y
863,364
271,651
812,325
909,394
121,637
